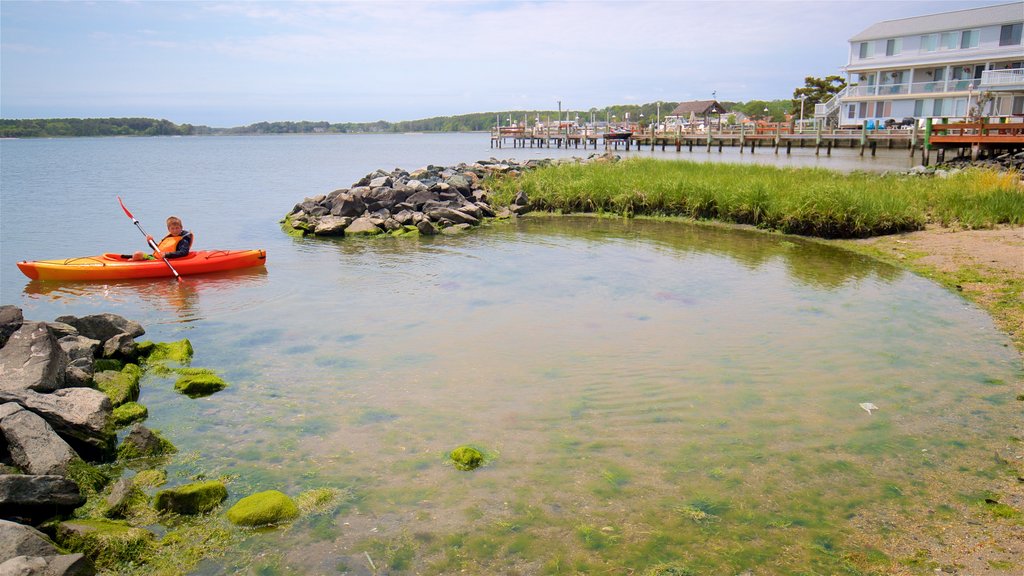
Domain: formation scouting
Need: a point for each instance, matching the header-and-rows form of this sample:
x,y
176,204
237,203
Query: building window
x,y
893,46
1017,109
949,40
929,42
918,108
867,49
969,39
851,111
1009,34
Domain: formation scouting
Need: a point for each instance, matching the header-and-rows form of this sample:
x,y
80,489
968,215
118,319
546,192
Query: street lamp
x,y
802,98
766,113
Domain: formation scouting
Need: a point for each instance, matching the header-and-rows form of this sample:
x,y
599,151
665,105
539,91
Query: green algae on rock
x,y
263,509
102,364
151,478
161,352
142,442
199,382
195,498
128,413
466,458
120,387
107,543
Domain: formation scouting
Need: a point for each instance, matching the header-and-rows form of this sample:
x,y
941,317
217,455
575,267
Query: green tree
x,y
816,91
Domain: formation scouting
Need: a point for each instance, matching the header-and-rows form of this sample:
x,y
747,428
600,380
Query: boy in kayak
x,y
176,244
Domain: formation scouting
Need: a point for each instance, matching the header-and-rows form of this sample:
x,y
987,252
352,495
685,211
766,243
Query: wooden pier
x,y
973,138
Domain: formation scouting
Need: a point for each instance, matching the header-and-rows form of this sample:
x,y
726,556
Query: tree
x,y
817,91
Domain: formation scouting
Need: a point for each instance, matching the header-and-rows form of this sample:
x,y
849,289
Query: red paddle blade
x,y
123,207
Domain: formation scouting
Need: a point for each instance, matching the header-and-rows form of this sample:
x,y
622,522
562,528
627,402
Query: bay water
x,y
646,393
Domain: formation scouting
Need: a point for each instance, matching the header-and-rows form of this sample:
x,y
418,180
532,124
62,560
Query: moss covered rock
x,y
263,509
120,387
196,383
128,413
195,498
466,458
158,352
142,442
106,542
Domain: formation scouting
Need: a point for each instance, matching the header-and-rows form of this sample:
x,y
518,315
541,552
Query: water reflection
x,y
178,299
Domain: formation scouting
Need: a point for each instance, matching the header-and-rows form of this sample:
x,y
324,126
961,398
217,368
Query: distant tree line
x,y
481,121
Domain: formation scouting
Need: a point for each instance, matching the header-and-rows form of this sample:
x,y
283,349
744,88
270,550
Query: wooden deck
x,y
973,138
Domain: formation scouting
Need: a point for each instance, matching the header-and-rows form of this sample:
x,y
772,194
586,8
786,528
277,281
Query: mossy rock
x,y
263,509
107,543
201,383
150,478
88,477
466,458
159,352
120,387
104,364
142,442
195,498
128,413
292,228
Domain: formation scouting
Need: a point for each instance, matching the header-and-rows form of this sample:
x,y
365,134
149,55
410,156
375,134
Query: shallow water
x,y
646,392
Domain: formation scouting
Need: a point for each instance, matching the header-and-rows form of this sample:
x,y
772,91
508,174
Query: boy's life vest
x,y
170,243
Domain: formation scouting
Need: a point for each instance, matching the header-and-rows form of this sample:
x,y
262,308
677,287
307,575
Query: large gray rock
x,y
102,327
120,346
33,444
347,204
32,360
362,227
20,540
332,226
10,320
37,498
80,415
78,347
455,216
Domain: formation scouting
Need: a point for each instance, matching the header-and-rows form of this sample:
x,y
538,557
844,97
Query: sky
x,y
226,64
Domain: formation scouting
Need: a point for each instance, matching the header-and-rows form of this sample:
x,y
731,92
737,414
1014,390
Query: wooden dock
x,y
968,138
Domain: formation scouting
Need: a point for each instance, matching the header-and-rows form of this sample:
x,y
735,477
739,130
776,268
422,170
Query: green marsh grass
x,y
805,201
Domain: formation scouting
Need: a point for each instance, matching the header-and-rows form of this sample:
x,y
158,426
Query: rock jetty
x,y
428,201
56,421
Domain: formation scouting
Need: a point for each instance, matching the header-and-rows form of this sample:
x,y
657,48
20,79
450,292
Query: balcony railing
x,y
924,88
1002,78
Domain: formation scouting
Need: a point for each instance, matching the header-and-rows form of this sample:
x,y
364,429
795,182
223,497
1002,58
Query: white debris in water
x,y
868,406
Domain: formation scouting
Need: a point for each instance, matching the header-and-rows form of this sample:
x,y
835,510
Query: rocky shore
x,y
431,200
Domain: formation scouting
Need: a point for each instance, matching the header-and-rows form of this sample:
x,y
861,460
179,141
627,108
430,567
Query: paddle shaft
x,y
149,239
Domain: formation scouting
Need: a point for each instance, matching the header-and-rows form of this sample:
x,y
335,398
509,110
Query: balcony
x,y
933,88
1002,80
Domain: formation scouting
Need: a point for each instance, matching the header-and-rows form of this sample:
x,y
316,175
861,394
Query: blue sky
x,y
235,63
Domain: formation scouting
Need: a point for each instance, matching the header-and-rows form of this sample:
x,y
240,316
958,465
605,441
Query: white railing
x,y
827,108
932,87
1002,77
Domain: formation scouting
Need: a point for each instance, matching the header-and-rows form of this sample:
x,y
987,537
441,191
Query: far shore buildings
x,y
934,66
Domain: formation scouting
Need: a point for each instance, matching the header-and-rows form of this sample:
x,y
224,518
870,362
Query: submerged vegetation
x,y
810,202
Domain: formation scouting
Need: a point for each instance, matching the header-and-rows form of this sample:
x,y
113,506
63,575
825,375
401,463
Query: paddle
x,y
149,239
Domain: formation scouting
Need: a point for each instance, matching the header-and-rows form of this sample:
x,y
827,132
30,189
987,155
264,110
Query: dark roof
x,y
698,108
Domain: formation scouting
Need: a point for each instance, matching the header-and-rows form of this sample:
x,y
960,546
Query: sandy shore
x,y
987,267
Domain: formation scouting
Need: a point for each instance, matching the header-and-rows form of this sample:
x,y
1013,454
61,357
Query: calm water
x,y
647,392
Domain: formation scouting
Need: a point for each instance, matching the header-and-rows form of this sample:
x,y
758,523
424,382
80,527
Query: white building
x,y
934,66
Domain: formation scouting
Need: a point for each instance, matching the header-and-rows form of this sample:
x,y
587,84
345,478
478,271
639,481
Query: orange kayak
x,y
114,267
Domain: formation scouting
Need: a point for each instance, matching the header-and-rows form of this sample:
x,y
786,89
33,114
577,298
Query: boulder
x,y
78,347
37,498
263,509
123,495
10,321
60,329
362,227
456,216
102,327
32,360
128,413
120,345
33,444
80,415
332,226
195,498
120,387
426,228
20,540
199,383
347,205
53,565
110,542
520,199
141,442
